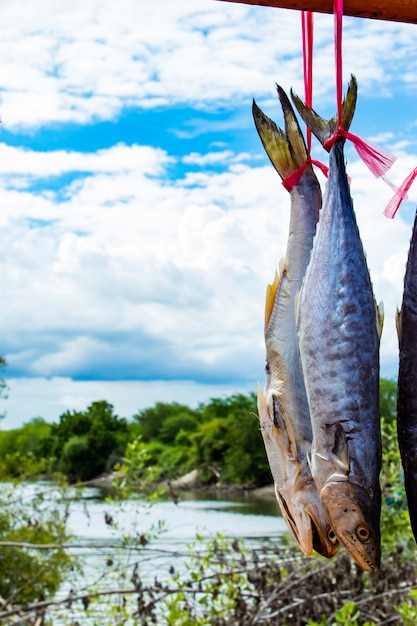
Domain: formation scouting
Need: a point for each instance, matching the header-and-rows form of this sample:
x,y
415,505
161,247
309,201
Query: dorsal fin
x,y
340,449
285,432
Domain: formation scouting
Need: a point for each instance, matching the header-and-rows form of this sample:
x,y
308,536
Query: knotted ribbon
x,y
307,28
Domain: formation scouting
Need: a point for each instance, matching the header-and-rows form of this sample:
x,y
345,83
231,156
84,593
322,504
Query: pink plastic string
x,y
400,194
375,158
307,28
291,180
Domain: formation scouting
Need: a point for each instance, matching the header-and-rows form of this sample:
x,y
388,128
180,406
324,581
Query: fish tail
x,y
286,150
295,137
324,129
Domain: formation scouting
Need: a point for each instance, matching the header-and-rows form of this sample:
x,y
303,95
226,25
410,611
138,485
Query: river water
x,y
99,525
108,544
237,516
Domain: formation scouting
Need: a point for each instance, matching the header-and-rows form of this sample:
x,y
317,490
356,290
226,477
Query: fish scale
x,y
407,379
283,408
339,346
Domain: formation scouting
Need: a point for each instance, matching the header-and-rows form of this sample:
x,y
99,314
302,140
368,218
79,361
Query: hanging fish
x,y
339,330
283,408
407,380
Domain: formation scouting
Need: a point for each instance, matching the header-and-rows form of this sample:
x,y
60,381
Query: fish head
x,y
354,515
305,515
295,489
312,519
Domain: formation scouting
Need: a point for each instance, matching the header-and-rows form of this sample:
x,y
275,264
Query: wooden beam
x,y
390,10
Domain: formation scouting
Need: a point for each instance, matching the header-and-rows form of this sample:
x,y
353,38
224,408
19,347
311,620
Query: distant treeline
x,y
220,438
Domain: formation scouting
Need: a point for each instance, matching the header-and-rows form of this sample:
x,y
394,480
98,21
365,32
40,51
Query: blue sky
x,y
140,220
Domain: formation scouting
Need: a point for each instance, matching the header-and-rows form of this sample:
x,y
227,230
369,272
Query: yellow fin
x,y
271,292
380,318
398,324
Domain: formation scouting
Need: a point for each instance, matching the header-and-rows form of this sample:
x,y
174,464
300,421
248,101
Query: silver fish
x,y
283,408
339,330
407,380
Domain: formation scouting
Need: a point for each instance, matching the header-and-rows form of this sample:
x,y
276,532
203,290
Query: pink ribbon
x,y
291,180
400,194
307,27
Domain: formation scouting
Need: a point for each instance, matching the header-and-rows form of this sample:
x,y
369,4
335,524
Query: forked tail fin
x,y
324,129
286,150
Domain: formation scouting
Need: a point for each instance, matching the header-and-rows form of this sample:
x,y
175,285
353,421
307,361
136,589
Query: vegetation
x,y
216,581
220,438
26,575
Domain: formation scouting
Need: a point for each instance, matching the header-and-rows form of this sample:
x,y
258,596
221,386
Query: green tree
x,y
27,573
88,443
151,421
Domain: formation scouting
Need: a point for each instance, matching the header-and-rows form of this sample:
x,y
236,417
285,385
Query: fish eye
x,y
332,536
362,533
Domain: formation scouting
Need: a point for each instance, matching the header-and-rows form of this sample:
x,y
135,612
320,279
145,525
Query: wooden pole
x,y
390,10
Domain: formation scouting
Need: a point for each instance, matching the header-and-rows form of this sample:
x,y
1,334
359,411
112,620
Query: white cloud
x,y
49,398
127,255
133,276
210,158
80,61
127,272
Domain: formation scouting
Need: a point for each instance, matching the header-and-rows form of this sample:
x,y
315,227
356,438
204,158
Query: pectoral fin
x,y
273,452
340,449
283,430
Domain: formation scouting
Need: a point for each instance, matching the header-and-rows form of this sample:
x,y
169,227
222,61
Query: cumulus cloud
x,y
83,61
151,261
137,276
49,398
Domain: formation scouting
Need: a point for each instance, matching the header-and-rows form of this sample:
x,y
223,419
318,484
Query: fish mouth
x,y
300,532
359,552
351,512
309,531
324,540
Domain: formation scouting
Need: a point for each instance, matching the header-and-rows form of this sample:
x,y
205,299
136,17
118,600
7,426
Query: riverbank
x,y
192,482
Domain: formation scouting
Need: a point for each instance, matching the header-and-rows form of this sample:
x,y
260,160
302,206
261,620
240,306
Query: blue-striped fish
x,y
339,330
407,380
283,408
